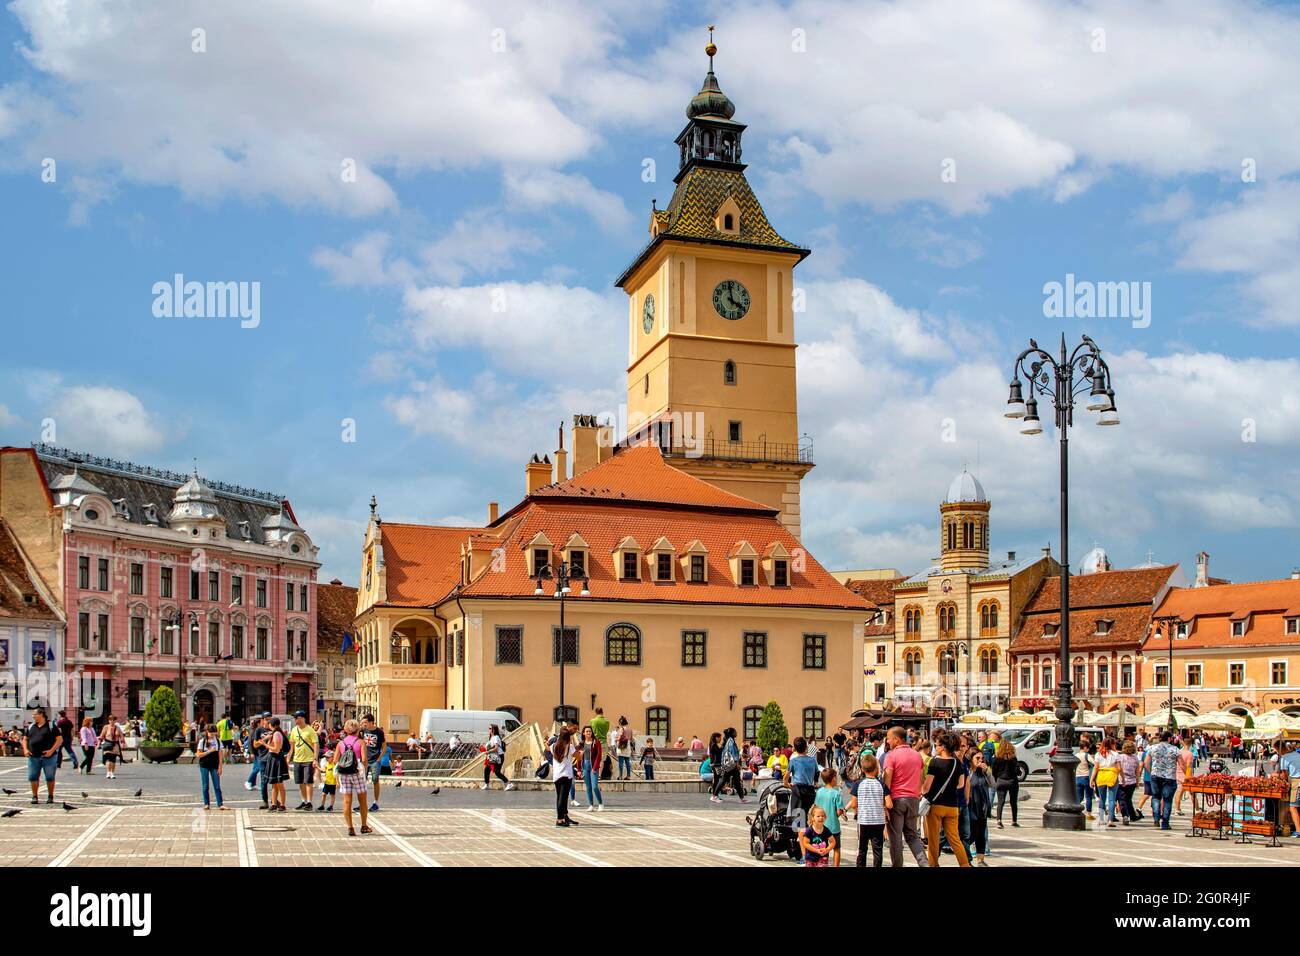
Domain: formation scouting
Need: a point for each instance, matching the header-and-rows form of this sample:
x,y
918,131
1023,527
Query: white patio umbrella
x,y
1275,720
1160,718
1220,720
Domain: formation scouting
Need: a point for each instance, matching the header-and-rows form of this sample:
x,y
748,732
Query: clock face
x,y
731,299
648,314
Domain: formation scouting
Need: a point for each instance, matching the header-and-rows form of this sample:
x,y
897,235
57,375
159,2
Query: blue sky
x,y
500,148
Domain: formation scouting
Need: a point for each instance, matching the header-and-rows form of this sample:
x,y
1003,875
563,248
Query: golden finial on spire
x,y
711,49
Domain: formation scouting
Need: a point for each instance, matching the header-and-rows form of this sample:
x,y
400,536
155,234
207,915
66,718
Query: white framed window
x,y
1277,673
1236,673
1293,625
1162,675
1239,628
1194,673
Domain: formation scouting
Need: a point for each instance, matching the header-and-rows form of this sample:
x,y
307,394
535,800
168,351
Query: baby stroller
x,y
771,829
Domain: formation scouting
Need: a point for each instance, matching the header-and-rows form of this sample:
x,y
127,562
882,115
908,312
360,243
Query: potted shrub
x,y
162,718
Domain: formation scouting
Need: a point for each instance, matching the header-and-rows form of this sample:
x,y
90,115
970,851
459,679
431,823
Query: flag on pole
x,y
348,645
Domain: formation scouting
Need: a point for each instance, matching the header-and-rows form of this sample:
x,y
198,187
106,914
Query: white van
x,y
1034,744
470,725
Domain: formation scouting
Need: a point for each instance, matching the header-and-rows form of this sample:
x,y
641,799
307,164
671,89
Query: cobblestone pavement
x,y
166,826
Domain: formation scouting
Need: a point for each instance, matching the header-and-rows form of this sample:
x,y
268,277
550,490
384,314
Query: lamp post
x,y
562,574
1061,380
1170,623
180,655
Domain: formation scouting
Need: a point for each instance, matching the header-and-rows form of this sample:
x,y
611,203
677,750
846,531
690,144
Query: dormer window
x,y
727,219
577,563
663,566
631,566
541,560
697,569
627,557
1103,626
1293,625
1239,628
1180,631
695,563
746,571
1049,630
780,573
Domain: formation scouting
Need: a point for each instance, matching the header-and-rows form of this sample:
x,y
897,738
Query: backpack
x,y
729,756
622,737
347,762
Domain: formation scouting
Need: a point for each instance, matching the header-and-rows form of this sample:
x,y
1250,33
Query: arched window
x,y
814,723
947,660
912,663
750,725
564,714
988,618
912,620
947,620
728,222
729,369
658,722
989,661
623,645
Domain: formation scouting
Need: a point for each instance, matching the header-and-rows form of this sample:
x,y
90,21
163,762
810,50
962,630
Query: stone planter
x,y
161,753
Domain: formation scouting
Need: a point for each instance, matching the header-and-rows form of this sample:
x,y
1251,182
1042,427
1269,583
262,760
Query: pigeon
x,y
8,792
398,785
84,795
433,792
140,792
68,808
10,813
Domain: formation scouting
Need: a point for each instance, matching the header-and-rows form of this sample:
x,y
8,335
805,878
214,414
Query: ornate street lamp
x,y
1170,623
562,575
1060,381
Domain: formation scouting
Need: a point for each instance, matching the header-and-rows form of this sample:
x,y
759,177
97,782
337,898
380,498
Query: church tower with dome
x,y
964,525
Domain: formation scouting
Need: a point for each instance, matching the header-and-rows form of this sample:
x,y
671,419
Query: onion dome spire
x,y
710,100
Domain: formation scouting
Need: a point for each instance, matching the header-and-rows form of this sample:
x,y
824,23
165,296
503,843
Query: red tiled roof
x,y
336,606
639,475
1125,598
604,524
1211,609
879,591
421,562
16,583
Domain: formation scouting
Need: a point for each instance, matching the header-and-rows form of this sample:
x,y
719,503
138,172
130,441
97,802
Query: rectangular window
x,y
510,645
755,643
214,585
137,578
540,560
137,635
83,631
194,639
1126,676
302,645
570,645
302,597
1103,677
664,566
814,652
1277,673
1237,673
214,639
460,649
338,678
1238,628
1026,679
631,565
733,431
167,637
101,635
1162,675
697,569
237,589
577,564
288,597
261,592
694,648
1293,625
882,653
261,644
288,645
746,570
1180,630
780,573
194,585
1193,675
236,640
878,694
83,573
814,723
103,574
165,582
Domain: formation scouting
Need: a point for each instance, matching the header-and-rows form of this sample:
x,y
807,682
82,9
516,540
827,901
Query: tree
x,y
772,732
1250,723
162,716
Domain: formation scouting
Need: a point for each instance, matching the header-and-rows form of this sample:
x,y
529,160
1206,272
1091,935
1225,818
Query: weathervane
x,y
711,48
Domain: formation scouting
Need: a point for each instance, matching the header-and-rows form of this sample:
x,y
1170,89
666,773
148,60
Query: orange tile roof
x,y
1125,598
638,474
16,583
336,606
1211,609
879,591
421,562
603,524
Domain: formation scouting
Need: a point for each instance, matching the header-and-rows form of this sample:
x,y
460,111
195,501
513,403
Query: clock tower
x,y
711,349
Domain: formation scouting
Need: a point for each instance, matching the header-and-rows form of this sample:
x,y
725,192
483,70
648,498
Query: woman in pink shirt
x,y
88,744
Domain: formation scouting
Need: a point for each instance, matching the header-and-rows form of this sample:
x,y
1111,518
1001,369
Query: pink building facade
x,y
166,579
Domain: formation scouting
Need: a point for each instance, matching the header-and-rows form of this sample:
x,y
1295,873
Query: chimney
x,y
1295,574
536,474
493,510
1011,557
585,452
1202,570
561,459
336,582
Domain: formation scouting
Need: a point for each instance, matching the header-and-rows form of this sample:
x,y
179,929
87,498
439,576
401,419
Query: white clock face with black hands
x,y
648,314
731,299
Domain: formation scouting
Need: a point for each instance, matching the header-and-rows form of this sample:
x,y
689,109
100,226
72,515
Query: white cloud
x,y
111,421
548,189
481,242
286,92
364,263
1258,238
7,418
